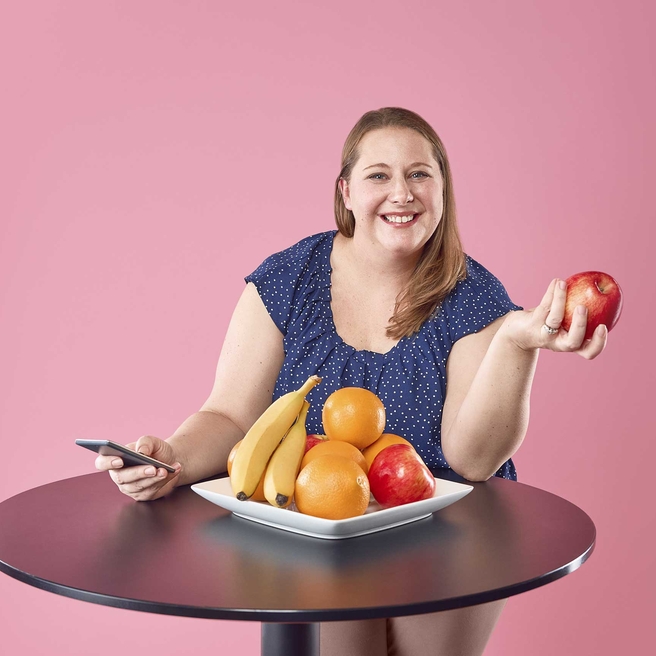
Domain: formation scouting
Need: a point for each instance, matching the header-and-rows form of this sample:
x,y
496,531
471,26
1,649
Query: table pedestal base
x,y
290,639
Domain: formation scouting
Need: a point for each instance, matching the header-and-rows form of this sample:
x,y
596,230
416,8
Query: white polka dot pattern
x,y
410,379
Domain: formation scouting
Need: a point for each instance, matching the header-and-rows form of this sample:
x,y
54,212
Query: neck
x,y
384,269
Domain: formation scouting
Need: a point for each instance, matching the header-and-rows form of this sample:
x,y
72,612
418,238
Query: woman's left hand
x,y
527,328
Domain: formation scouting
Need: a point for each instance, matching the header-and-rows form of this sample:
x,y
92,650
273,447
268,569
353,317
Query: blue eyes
x,y
417,175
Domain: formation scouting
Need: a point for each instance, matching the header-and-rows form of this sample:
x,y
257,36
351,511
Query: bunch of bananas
x,y
274,446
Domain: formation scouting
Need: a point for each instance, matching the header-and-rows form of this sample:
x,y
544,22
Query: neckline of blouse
x,y
329,269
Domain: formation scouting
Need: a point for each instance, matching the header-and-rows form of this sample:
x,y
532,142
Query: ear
x,y
346,194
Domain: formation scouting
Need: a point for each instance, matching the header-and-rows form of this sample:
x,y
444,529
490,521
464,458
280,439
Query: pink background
x,y
153,153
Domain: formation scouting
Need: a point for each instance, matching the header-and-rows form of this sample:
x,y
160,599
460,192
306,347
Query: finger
x,y
145,445
148,485
142,485
545,304
573,338
105,463
593,347
154,447
131,474
557,309
155,492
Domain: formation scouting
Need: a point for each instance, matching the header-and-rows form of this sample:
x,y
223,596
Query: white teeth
x,y
399,219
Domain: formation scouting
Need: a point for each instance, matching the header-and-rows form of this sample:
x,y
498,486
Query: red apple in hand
x,y
600,293
312,440
398,475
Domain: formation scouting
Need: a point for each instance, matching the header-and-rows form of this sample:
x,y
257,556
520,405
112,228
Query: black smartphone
x,y
130,458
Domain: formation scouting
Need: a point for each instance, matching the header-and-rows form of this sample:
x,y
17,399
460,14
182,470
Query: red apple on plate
x,y
600,293
398,475
312,440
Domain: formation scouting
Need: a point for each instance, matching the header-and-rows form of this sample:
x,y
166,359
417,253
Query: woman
x,y
389,302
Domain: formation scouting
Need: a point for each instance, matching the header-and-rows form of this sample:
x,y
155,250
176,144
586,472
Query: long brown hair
x,y
442,262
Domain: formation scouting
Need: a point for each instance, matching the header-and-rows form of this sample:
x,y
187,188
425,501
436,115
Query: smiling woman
x,y
397,193
442,261
390,303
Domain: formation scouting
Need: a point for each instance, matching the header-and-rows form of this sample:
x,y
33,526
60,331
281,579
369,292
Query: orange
x,y
258,495
337,449
354,415
385,440
332,487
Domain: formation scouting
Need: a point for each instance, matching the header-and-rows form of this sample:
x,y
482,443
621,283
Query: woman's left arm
x,y
489,376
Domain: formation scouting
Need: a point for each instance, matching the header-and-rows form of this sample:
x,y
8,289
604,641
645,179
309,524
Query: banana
x,y
263,437
282,470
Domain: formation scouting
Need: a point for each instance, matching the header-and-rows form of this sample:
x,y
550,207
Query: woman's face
x,y
395,191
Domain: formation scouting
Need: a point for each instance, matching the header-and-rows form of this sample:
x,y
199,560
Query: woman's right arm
x,y
248,367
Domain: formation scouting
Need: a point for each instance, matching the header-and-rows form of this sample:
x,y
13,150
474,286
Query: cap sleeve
x,y
282,280
476,301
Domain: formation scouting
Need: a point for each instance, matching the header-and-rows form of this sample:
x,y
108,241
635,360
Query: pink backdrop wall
x,y
153,153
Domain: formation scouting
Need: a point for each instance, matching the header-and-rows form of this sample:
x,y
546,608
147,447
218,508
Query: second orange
x,y
354,415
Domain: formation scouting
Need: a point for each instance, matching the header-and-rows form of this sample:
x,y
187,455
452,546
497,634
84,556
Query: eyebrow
x,y
386,166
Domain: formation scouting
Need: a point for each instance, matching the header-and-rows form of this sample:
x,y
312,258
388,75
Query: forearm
x,y
202,445
493,418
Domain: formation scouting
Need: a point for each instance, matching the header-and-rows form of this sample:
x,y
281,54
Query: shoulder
x,y
478,279
476,301
285,279
295,258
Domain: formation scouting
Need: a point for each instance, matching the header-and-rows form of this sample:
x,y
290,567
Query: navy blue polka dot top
x,y
410,379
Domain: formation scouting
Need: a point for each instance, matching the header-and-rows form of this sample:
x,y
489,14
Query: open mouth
x,y
399,220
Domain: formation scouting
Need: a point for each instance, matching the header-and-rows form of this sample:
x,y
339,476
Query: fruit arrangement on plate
x,y
332,476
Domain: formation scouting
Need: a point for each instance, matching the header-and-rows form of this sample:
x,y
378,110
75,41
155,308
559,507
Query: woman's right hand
x,y
144,482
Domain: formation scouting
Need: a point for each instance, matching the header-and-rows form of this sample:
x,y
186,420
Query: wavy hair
x,y
442,263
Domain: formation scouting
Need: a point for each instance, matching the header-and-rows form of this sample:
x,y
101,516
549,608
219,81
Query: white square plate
x,y
289,519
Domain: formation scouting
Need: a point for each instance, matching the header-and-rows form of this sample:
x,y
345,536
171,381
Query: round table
x,y
183,555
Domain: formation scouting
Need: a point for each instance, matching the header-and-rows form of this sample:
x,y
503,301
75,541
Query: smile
x,y
399,218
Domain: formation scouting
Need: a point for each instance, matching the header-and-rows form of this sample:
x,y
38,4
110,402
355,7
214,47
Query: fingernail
x,y
161,473
601,329
562,284
581,309
117,462
150,471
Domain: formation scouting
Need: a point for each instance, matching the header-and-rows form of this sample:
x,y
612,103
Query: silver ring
x,y
549,329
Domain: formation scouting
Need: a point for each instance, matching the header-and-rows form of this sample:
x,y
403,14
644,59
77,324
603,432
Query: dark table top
x,y
183,555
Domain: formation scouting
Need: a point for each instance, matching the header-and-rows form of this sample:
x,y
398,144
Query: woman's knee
x,y
358,638
459,632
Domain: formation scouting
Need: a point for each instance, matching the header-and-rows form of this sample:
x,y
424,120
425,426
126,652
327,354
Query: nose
x,y
401,192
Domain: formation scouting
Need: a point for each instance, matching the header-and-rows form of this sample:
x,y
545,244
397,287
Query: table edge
x,y
298,616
